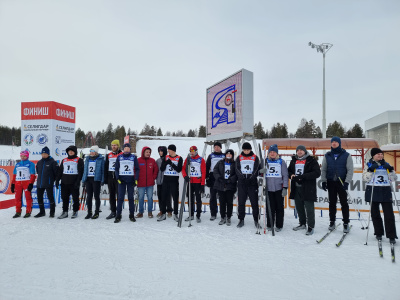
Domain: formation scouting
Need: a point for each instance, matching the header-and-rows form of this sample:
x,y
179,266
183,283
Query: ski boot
x,y
301,226
27,215
222,222
117,219
17,215
310,231
240,224
332,226
132,218
111,216
74,215
96,215
63,215
89,215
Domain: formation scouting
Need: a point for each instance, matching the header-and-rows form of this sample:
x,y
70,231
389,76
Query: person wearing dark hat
x,y
303,173
47,170
277,183
378,174
109,177
70,174
336,175
247,169
212,160
171,167
197,178
162,151
127,173
93,179
226,184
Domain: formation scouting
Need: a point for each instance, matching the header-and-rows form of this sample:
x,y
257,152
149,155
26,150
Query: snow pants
x,y
113,190
195,192
305,209
277,204
170,188
66,191
20,187
250,191
226,203
213,201
335,189
92,188
122,188
50,195
388,215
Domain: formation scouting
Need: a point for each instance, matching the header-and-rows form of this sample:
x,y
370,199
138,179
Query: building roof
x,y
322,144
389,116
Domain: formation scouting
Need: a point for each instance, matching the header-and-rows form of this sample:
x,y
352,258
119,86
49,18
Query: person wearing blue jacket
x,y
127,174
336,175
93,179
47,170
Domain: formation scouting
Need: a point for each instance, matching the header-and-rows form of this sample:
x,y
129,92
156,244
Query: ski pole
x,y
355,207
370,206
394,192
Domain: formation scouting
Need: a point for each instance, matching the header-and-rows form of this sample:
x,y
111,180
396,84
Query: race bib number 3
x,y
381,178
170,171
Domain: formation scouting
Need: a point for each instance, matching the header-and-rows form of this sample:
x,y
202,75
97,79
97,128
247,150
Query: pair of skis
x,y
330,231
185,186
391,250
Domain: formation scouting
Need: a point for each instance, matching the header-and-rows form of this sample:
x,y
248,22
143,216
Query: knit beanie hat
x,y
95,148
115,142
217,144
274,148
336,139
230,151
127,145
246,146
25,153
375,151
301,147
46,150
172,147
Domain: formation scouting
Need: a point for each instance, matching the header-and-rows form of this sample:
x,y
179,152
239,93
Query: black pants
x,y
50,195
213,202
388,215
113,190
245,191
335,188
195,192
170,189
159,195
66,191
277,204
226,203
92,187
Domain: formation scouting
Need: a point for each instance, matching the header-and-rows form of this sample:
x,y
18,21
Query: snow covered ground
x,y
97,259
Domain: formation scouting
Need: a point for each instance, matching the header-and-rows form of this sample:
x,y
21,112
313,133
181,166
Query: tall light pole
x,y
323,48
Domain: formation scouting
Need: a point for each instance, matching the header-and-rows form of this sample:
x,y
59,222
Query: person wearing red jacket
x,y
23,179
147,175
197,178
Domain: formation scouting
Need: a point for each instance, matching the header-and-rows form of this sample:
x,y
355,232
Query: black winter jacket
x,y
222,184
47,170
308,180
242,178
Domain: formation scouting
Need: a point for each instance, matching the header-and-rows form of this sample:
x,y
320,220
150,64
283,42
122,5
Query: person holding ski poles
x,y
171,166
247,169
377,173
127,173
225,183
148,174
197,178
303,172
22,182
162,151
47,170
70,174
337,167
93,179
277,184
109,176
212,160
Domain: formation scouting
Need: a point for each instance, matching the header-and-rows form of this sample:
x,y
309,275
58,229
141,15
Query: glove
x,y
119,181
324,186
202,189
135,182
57,184
373,167
169,162
83,184
30,187
187,179
392,176
345,186
388,167
284,192
13,188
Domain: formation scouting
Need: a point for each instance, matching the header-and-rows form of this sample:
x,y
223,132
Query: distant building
x,y
384,128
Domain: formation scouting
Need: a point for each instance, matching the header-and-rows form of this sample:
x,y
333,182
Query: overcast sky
x,y
137,62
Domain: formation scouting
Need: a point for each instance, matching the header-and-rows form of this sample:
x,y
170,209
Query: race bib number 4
x,y
247,166
227,171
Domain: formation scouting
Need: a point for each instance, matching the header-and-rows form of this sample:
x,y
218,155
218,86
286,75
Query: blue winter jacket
x,y
127,178
99,171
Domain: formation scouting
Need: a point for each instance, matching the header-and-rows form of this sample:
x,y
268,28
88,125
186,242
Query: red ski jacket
x,y
148,170
197,170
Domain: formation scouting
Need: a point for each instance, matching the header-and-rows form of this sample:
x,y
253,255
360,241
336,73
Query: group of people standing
x,y
122,171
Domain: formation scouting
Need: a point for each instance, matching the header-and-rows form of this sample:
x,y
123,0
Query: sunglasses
x,y
92,151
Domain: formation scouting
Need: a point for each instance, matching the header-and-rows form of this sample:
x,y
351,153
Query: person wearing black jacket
x,y
225,183
109,177
171,166
303,171
47,170
247,169
212,160
70,174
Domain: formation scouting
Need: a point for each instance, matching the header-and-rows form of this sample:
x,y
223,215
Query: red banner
x,y
47,110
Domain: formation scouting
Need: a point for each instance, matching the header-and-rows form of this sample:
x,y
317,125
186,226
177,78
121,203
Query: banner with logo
x,y
50,124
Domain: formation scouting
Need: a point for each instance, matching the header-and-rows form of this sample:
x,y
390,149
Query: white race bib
x,y
195,170
126,168
23,174
214,160
70,168
170,171
274,170
111,166
381,178
247,166
92,168
299,168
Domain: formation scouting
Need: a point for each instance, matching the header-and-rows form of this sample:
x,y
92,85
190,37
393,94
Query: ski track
x,y
97,259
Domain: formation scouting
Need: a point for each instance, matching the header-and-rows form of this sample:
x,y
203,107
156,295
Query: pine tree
x,y
159,132
335,129
202,131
